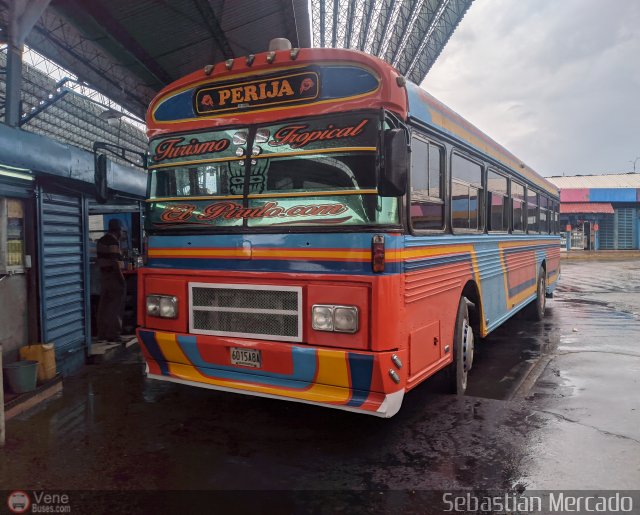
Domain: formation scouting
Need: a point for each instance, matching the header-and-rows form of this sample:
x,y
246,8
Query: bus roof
x,y
271,86
431,112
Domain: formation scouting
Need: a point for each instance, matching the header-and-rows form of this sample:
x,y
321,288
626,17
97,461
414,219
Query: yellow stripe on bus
x,y
187,199
314,193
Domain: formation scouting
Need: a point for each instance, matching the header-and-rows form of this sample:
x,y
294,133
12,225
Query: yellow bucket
x,y
45,355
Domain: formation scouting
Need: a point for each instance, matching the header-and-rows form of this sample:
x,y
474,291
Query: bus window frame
x,y
524,205
507,200
548,212
481,197
444,192
530,189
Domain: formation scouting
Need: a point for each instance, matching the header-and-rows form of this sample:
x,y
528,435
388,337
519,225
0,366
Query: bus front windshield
x,y
303,173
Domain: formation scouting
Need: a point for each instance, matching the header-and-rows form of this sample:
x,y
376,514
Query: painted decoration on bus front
x,y
204,179
299,135
173,148
192,147
274,90
345,130
323,134
288,88
231,213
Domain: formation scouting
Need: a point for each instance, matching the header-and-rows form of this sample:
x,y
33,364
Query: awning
x,y
586,207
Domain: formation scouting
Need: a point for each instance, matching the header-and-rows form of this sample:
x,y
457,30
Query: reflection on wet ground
x,y
576,427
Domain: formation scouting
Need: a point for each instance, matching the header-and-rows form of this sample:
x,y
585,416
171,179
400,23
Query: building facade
x,y
47,193
600,212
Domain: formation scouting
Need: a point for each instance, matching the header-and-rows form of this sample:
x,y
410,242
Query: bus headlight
x,y
322,318
340,319
345,319
163,306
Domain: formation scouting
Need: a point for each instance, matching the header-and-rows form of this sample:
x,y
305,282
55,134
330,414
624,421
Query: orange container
x,y
45,355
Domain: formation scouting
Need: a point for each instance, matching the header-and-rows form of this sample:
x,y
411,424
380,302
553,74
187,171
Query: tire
x,y
463,350
536,309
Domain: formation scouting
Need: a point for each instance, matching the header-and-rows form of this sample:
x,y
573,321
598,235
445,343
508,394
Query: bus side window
x,y
544,217
466,194
517,202
533,200
427,169
497,202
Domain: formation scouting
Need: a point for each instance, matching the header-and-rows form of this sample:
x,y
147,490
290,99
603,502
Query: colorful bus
x,y
321,230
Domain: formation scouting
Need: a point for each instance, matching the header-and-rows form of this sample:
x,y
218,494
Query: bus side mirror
x,y
393,177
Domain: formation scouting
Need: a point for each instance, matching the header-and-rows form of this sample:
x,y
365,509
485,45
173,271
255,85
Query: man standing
x,y
112,284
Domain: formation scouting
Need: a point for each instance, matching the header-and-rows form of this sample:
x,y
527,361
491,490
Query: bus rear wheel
x,y
463,349
537,308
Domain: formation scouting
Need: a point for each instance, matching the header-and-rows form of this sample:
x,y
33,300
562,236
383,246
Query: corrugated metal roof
x,y
73,119
128,50
585,207
408,34
617,180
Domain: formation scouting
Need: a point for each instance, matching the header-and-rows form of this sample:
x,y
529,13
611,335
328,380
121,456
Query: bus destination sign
x,y
274,90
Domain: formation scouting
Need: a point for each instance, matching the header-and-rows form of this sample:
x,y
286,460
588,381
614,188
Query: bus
x,y
321,230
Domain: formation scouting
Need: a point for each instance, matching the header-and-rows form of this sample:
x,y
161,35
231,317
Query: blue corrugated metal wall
x,y
63,284
625,228
612,195
607,232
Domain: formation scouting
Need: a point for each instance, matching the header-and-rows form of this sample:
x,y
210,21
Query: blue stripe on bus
x,y
149,340
514,290
266,265
539,249
420,263
361,367
465,239
306,241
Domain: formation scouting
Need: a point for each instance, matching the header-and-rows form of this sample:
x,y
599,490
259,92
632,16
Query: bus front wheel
x,y
463,348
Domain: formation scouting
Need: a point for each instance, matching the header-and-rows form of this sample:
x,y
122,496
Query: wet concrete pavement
x,y
554,404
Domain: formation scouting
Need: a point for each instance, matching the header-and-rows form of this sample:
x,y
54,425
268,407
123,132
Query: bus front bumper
x,y
342,379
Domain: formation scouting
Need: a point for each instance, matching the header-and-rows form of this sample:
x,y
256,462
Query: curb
x,y
530,378
580,255
28,400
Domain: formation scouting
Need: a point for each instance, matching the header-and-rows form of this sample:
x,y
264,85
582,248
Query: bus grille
x,y
263,312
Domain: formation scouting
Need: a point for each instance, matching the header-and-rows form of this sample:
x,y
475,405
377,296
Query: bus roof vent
x,y
279,44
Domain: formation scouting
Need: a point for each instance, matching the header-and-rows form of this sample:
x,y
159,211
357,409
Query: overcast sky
x,y
557,82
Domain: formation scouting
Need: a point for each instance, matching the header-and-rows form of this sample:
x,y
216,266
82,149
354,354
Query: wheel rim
x,y
541,294
467,352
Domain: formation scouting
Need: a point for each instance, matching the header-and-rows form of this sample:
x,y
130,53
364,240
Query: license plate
x,y
246,357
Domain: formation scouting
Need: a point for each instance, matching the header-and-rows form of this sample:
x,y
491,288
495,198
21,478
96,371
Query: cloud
x,y
556,82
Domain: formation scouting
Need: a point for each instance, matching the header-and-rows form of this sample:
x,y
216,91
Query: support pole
x,y
14,84
23,15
